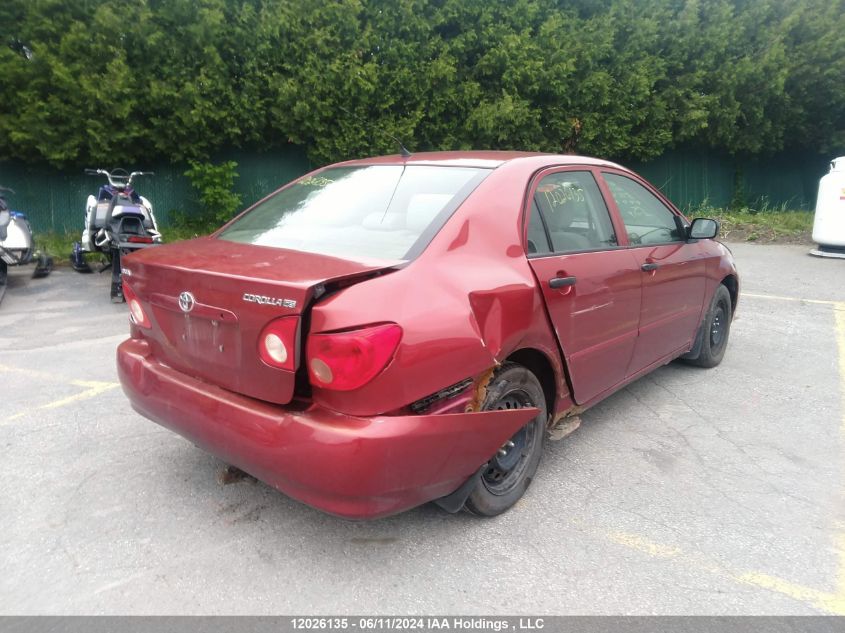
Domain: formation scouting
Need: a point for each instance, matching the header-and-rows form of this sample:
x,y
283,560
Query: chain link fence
x,y
54,199
782,181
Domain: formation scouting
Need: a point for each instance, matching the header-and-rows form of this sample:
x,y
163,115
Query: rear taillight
x,y
140,239
136,312
277,343
347,360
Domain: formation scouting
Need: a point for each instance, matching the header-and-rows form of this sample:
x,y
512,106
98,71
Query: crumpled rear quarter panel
x,y
466,303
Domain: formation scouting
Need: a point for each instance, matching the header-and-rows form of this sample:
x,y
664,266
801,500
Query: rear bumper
x,y
357,468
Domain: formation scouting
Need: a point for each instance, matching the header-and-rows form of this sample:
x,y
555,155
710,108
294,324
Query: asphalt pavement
x,y
691,491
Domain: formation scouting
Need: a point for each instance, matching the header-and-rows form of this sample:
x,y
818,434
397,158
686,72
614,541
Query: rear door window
x,y
538,241
574,211
375,211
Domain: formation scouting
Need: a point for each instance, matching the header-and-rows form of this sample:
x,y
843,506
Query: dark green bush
x,y
213,184
85,81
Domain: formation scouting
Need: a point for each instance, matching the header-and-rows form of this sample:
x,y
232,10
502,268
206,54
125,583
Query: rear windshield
x,y
378,211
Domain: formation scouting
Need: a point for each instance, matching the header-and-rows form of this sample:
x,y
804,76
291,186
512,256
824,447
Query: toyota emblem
x,y
186,301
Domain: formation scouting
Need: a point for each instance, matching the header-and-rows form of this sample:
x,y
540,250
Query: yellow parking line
x,y
829,602
93,388
26,372
839,319
833,603
634,541
840,550
823,302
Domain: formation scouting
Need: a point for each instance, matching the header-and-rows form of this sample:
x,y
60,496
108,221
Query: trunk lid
x,y
235,291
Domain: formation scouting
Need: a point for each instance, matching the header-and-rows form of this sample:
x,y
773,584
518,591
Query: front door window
x,y
647,220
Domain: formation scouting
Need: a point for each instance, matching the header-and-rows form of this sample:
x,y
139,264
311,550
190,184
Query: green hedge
x,y
89,81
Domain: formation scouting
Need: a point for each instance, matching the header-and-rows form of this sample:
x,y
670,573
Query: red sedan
x,y
386,332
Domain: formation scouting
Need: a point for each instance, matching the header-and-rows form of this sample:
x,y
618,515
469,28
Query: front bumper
x,y
357,468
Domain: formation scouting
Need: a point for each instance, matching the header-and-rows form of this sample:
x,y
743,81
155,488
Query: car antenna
x,y
403,151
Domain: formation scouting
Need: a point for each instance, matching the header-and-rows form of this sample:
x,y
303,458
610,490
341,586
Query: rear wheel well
x,y
730,283
538,364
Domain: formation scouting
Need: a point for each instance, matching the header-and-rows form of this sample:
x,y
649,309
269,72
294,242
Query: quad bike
x,y
118,221
16,243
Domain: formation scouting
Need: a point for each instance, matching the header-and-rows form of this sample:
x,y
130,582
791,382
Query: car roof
x,y
477,158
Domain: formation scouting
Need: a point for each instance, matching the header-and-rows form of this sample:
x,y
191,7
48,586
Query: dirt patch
x,y
764,235
766,227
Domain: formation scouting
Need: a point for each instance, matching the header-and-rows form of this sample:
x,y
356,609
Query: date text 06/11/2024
x,y
417,624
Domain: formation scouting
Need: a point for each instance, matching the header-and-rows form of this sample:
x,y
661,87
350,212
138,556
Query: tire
x,y
715,330
507,476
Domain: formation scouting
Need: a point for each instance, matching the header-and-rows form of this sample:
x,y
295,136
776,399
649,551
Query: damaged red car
x,y
386,332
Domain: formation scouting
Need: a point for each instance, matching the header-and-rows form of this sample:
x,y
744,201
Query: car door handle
x,y
650,266
561,282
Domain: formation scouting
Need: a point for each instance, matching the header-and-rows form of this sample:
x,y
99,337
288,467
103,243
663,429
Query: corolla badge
x,y
269,301
186,301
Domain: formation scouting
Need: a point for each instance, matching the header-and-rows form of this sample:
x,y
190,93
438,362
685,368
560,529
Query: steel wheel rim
x,y
504,471
718,326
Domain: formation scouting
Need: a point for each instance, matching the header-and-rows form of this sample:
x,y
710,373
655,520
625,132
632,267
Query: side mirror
x,y
703,229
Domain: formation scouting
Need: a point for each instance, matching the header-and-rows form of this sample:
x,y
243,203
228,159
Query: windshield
x,y
378,211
